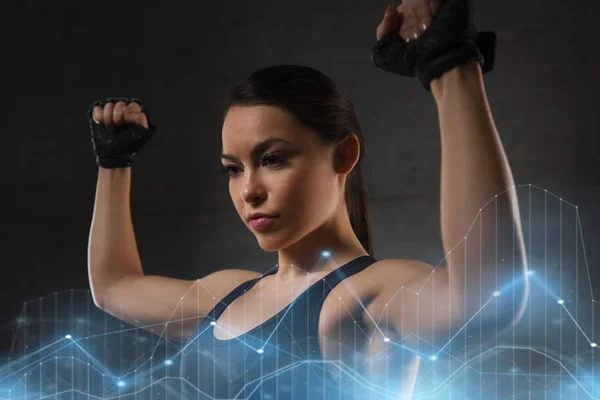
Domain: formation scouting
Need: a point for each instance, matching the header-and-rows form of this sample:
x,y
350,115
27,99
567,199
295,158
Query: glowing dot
x,y
260,351
530,272
168,362
433,358
561,301
213,323
387,339
326,253
68,336
121,383
496,293
593,344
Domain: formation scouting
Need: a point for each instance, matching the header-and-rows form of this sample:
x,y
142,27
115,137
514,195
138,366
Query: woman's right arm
x,y
117,280
165,306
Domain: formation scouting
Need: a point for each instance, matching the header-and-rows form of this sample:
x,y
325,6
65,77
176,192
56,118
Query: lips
x,y
261,222
259,215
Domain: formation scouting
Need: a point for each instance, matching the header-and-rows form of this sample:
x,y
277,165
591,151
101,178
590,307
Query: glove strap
x,y
111,163
434,67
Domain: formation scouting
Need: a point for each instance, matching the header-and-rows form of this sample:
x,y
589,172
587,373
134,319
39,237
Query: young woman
x,y
329,320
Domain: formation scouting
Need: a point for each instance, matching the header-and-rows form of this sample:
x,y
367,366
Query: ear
x,y
346,154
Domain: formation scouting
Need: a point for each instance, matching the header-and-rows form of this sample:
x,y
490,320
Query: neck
x,y
327,248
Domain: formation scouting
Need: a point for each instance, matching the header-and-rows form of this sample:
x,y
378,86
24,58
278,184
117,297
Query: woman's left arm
x,y
480,222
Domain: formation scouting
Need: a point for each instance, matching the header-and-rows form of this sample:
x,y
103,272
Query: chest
x,y
336,310
347,334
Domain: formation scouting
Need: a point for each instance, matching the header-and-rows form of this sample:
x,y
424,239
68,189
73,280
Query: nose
x,y
253,190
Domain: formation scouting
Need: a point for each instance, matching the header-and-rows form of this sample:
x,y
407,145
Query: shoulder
x,y
234,275
223,281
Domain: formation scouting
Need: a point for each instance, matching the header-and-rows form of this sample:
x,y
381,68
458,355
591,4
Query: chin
x,y
273,241
269,244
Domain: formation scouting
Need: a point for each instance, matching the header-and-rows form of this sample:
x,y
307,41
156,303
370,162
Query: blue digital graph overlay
x,y
64,347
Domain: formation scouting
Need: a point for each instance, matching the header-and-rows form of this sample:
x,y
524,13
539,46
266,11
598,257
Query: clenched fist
x,y
119,128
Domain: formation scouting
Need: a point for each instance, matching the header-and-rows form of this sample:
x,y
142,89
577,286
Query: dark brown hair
x,y
314,100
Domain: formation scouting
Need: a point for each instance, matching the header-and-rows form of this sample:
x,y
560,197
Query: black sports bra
x,y
279,359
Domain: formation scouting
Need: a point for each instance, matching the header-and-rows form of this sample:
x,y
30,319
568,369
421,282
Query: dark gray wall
x,y
182,58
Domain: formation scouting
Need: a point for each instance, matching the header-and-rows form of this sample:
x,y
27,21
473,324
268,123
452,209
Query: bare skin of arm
x,y
166,306
435,303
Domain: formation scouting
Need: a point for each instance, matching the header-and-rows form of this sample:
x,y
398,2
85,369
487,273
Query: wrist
x,y
465,74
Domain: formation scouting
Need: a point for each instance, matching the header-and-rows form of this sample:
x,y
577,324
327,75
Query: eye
x,y
226,169
278,158
274,160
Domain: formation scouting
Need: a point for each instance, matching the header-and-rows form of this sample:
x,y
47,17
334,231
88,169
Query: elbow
x,y
98,303
98,296
512,303
516,298
504,309
513,290
516,308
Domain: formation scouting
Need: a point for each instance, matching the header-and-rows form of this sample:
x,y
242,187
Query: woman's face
x,y
295,181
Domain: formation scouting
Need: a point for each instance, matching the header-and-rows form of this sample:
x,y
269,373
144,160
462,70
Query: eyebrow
x,y
258,148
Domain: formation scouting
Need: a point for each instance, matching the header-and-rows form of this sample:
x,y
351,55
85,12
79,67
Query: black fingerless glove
x,y
116,146
450,40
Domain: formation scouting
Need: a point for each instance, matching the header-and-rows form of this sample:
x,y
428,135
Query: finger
x,y
423,19
118,114
134,106
97,114
407,30
390,24
434,6
408,22
108,113
135,117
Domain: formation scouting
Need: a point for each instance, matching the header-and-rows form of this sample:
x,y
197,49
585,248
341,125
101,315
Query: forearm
x,y
112,249
474,170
